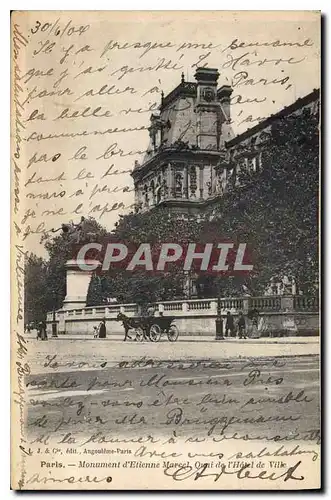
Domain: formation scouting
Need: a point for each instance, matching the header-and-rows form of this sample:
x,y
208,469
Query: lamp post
x,y
218,322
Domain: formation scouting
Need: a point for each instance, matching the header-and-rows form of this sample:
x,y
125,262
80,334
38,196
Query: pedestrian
x,y
102,329
39,331
229,325
241,326
95,332
42,333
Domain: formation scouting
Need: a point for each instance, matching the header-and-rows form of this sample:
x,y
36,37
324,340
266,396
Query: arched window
x,y
146,194
152,190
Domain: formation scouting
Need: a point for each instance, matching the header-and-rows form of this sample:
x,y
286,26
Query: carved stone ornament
x,y
208,94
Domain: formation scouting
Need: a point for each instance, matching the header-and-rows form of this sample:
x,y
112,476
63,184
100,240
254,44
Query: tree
x,y
35,289
95,294
154,227
274,210
45,279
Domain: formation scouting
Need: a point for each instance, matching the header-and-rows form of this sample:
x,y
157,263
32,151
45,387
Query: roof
x,y
184,89
299,103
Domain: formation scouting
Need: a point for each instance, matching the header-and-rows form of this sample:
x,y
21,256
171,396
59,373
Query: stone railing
x,y
233,304
302,303
198,307
173,305
266,303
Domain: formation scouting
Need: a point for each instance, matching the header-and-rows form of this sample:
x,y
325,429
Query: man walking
x,y
241,326
42,331
229,325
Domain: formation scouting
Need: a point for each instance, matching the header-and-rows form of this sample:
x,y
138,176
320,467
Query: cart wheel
x,y
139,334
173,333
155,333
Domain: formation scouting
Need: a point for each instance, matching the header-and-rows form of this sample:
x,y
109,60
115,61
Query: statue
x,y
77,233
179,144
179,184
165,189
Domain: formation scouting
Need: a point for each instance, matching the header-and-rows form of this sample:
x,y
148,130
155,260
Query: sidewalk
x,y
193,338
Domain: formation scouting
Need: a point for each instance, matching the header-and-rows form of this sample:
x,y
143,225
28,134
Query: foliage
x,y
274,210
45,279
35,288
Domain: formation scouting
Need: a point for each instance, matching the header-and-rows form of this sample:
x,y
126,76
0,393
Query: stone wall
x,y
279,315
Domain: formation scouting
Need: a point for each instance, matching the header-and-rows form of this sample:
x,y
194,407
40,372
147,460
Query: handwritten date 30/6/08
x,y
57,29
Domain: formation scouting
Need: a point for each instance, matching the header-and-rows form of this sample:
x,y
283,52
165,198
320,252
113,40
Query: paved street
x,y
133,375
84,348
94,401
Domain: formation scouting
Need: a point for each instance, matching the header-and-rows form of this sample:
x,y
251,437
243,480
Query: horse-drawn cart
x,y
149,327
162,325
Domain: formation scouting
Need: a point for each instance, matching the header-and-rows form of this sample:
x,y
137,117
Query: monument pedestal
x,y
78,281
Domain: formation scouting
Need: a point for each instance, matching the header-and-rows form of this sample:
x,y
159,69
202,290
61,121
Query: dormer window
x,y
156,130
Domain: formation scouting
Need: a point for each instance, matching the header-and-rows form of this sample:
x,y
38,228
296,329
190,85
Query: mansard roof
x,y
184,89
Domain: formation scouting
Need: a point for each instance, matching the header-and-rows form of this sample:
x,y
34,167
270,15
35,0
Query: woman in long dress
x,y
102,329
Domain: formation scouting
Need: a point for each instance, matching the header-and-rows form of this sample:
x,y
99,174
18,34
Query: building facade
x,y
193,156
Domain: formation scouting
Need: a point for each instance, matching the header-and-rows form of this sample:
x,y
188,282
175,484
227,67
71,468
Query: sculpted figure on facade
x,y
179,184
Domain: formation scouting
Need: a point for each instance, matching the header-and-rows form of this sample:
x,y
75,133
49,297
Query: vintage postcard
x,y
165,328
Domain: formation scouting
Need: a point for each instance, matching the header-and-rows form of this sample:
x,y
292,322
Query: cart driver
x,y
150,310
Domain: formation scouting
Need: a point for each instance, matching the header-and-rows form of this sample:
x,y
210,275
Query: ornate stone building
x,y
193,155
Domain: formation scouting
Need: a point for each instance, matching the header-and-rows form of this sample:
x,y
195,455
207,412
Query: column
x,y
214,179
185,182
211,185
171,181
201,180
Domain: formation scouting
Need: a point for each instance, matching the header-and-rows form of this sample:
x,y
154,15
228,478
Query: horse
x,y
128,324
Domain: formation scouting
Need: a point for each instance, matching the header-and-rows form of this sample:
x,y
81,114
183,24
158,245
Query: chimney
x,y
207,108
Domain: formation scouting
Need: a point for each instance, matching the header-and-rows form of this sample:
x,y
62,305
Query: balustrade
x,y
265,303
207,306
232,304
173,306
199,305
302,303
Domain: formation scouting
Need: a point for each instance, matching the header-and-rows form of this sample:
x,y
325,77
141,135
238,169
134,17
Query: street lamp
x,y
218,322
